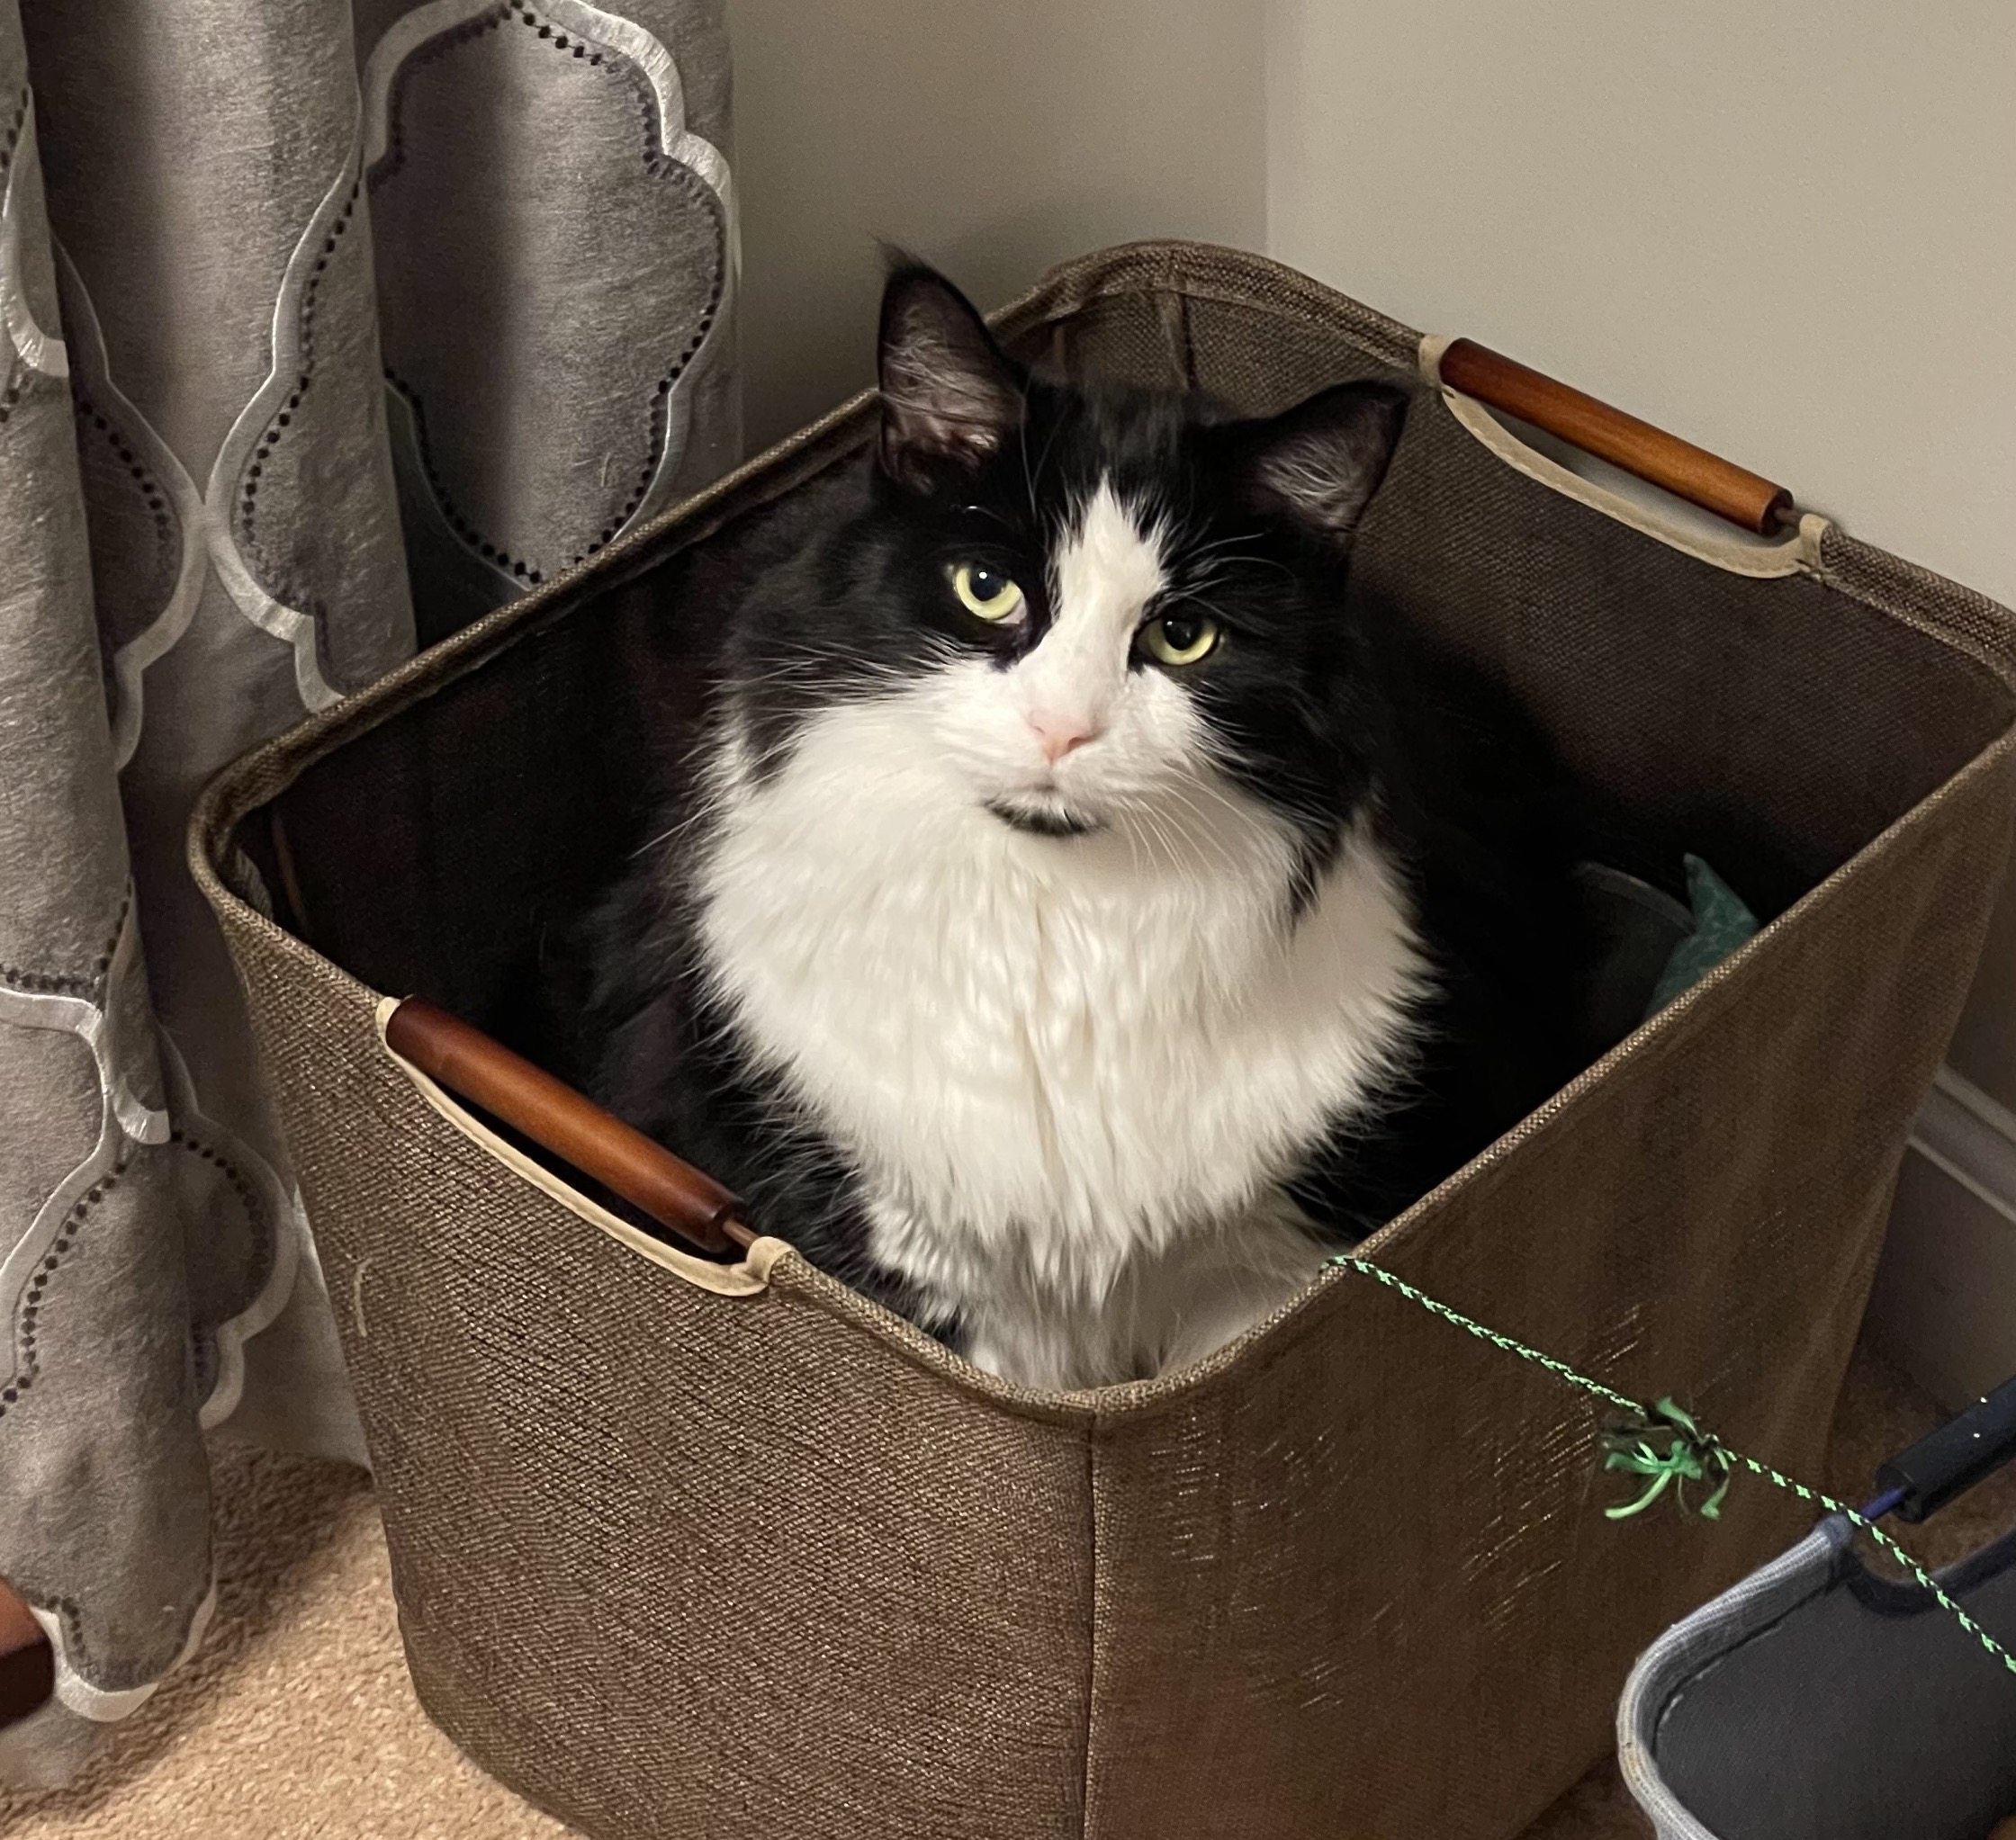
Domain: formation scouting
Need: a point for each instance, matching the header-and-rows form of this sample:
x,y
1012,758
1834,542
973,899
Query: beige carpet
x,y
297,1719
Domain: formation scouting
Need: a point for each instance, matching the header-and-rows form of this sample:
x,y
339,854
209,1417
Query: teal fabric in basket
x,y
1721,924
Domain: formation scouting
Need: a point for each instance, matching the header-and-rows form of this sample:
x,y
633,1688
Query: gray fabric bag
x,y
1818,1700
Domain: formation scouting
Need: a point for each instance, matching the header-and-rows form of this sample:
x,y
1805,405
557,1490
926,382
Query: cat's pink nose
x,y
1058,734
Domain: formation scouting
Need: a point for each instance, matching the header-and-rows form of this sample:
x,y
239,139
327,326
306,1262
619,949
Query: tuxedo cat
x,y
1085,913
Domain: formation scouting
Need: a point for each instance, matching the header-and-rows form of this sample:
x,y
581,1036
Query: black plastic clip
x,y
1950,1461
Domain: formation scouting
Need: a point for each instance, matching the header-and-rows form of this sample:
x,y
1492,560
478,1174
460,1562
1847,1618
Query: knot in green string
x,y
1690,1455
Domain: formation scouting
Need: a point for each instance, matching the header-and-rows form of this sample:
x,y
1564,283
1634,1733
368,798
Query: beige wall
x,y
1783,228
992,138
1786,229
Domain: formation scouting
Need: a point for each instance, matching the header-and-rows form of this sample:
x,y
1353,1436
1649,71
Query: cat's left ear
x,y
1317,464
951,396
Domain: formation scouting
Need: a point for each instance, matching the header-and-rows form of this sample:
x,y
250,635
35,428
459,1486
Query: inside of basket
x,y
1772,726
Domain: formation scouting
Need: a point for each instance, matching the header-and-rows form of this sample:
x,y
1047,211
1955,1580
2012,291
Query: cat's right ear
x,y
951,396
1317,464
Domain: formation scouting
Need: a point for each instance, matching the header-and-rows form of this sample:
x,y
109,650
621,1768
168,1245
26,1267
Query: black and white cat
x,y
1085,916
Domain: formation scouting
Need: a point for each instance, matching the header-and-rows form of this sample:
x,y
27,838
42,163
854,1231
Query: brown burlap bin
x,y
688,1549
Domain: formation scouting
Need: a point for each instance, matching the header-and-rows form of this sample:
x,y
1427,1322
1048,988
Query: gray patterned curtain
x,y
328,326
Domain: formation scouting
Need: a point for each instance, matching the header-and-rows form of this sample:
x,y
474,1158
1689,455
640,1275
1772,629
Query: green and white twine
x,y
1690,1454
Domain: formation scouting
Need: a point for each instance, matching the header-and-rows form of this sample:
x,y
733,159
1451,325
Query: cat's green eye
x,y
1180,639
986,592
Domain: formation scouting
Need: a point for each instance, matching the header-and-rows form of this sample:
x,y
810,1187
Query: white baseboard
x,y
1944,1297
1964,1133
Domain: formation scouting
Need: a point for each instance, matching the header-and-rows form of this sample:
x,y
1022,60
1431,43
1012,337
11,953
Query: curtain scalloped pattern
x,y
323,330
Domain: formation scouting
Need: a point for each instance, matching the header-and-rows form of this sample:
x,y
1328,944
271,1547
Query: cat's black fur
x,y
1333,708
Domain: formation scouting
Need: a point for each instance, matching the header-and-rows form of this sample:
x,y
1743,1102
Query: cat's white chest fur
x,y
1071,1071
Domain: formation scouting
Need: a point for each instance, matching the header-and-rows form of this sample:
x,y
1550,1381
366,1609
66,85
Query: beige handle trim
x,y
747,1276
1797,554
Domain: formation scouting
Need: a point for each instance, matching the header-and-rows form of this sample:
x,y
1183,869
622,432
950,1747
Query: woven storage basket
x,y
683,1548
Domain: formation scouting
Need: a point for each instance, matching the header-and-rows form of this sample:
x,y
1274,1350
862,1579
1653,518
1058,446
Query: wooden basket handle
x,y
1678,466
473,1066
27,1662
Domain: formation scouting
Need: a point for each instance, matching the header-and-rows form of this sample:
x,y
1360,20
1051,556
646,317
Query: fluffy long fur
x,y
1074,1002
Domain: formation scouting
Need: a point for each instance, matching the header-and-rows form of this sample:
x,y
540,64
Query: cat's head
x,y
1096,609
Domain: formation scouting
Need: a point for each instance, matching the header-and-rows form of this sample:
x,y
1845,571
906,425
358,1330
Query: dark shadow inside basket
x,y
1774,726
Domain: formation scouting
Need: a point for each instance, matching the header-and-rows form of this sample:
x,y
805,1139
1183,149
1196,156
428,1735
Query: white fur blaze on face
x,y
1070,728
1102,577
